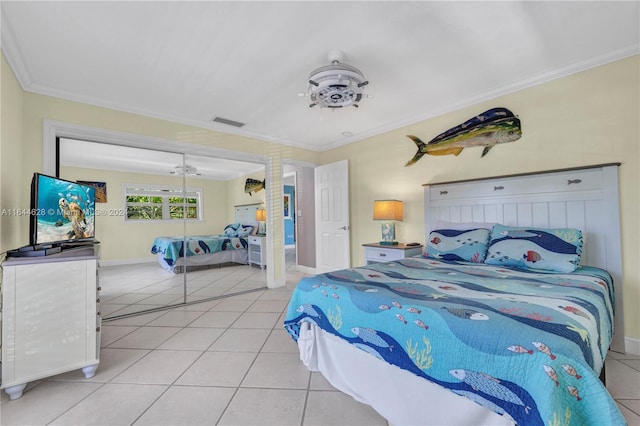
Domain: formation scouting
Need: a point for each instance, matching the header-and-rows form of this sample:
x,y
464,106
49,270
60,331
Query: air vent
x,y
227,122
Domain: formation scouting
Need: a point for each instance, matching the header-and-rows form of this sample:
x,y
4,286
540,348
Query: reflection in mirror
x,y
220,240
137,186
155,204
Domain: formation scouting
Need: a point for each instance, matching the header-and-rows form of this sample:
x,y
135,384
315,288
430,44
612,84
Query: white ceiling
x,y
245,61
85,154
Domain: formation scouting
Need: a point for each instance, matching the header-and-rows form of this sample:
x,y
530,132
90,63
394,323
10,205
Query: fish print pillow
x,y
464,226
453,244
244,231
231,230
556,250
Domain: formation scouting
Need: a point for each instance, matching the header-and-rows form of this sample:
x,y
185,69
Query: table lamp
x,y
261,217
389,211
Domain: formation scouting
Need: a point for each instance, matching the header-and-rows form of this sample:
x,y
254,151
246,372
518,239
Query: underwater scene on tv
x,y
65,211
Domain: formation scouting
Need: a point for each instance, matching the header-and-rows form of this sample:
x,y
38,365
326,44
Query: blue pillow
x,y
244,231
450,244
231,230
556,250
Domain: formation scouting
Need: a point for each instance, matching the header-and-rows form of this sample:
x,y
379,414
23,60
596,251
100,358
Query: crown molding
x,y
532,81
16,62
13,55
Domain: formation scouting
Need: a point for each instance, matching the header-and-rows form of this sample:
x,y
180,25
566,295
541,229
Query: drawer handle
x,y
444,192
570,181
383,254
498,188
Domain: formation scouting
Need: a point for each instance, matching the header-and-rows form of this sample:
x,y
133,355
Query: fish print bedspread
x,y
523,344
173,248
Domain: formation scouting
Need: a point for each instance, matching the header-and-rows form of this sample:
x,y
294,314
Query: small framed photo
x,y
100,187
287,207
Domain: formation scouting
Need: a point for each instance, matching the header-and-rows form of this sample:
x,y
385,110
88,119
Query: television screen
x,y
62,211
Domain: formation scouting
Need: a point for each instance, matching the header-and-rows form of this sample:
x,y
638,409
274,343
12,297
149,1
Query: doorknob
x,y
344,228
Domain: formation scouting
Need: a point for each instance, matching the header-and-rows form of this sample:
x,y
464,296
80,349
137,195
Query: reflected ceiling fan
x,y
336,85
186,170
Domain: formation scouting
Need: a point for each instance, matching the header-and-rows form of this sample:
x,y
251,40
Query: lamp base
x,y
388,234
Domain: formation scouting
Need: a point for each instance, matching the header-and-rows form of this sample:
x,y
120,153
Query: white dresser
x,y
50,318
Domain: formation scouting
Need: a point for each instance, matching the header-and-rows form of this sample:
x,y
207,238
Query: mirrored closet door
x,y
220,242
155,206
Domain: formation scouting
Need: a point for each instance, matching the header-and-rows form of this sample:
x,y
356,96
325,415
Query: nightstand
x,y
256,254
376,253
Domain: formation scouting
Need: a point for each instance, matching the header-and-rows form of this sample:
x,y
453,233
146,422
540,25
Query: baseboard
x,y
278,283
632,346
119,262
306,269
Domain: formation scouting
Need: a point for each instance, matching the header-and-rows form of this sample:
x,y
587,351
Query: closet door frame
x,y
54,129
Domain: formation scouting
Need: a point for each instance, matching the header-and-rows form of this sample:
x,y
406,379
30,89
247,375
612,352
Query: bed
x,y
176,252
230,246
452,337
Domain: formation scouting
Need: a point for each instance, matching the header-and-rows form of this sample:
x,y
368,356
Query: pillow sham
x,y
231,230
452,244
237,230
244,231
556,250
464,226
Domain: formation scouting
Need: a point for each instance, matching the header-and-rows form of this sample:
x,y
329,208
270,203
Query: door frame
x,y
286,171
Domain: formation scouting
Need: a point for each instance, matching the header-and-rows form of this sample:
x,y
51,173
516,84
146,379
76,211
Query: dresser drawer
x,y
382,255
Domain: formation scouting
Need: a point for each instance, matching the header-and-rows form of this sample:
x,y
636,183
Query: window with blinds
x,y
146,202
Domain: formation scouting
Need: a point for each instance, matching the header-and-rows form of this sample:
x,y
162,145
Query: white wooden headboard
x,y
584,198
246,214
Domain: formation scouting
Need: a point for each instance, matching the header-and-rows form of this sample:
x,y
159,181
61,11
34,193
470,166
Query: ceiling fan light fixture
x,y
336,85
186,170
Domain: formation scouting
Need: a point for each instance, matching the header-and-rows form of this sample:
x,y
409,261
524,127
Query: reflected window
x,y
145,202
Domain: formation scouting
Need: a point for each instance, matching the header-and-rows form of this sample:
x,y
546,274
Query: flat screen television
x,y
62,212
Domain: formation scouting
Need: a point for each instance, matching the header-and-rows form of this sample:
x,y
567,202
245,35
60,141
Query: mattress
x,y
526,346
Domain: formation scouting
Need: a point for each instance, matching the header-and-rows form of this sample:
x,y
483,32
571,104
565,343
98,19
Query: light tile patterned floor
x,y
135,288
224,362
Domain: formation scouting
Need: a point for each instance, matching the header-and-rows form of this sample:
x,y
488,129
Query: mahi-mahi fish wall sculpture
x,y
254,185
497,125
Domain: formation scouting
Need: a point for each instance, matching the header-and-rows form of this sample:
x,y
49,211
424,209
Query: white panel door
x,y
332,217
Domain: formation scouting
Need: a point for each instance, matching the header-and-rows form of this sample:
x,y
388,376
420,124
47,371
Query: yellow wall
x,y
588,118
124,240
13,228
23,151
237,196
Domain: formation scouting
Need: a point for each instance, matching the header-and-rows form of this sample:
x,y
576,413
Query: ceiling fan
x,y
336,85
186,170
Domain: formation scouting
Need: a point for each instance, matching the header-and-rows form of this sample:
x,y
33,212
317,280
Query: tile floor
x,y
224,362
134,288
